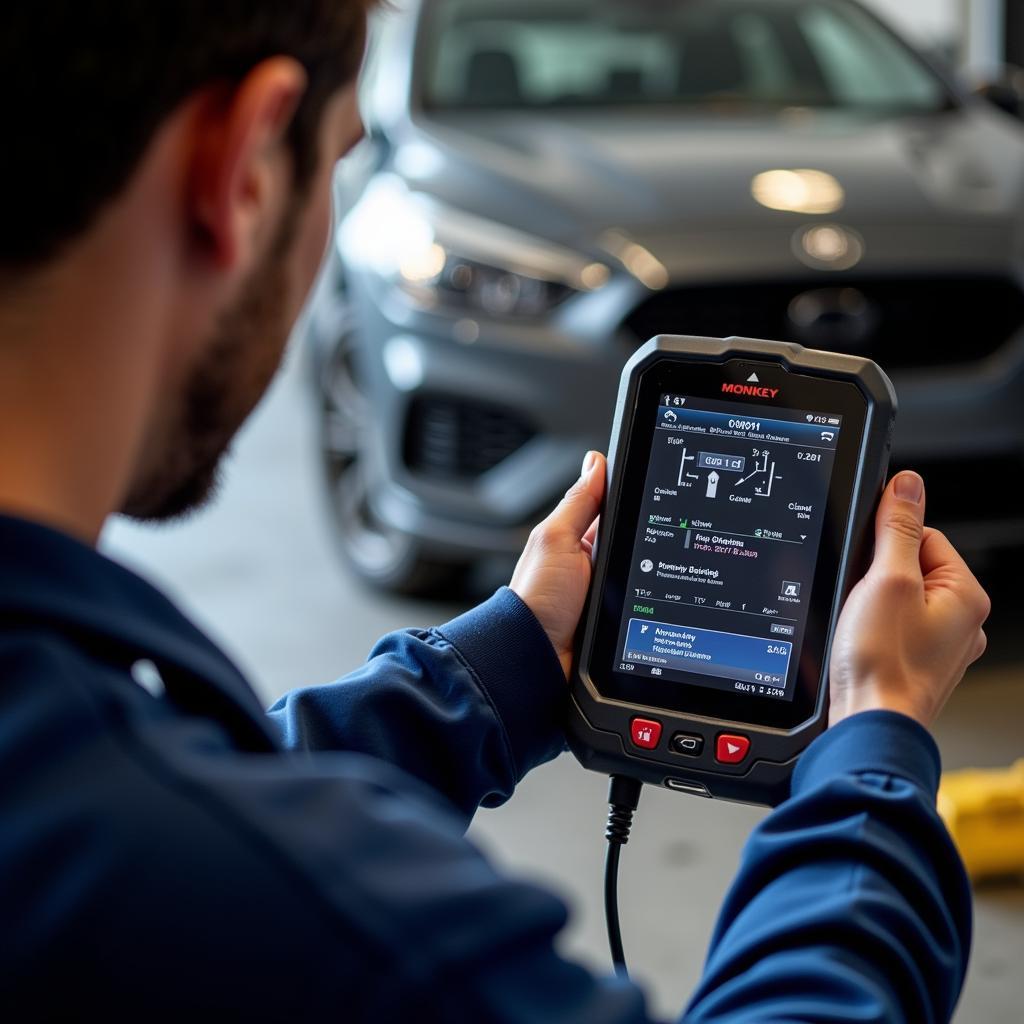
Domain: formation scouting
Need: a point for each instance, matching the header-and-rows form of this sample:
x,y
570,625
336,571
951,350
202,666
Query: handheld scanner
x,y
743,479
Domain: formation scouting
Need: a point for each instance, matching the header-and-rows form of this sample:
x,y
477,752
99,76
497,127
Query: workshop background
x,y
265,572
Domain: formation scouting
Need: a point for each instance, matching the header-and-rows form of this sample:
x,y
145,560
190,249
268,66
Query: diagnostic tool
x,y
743,479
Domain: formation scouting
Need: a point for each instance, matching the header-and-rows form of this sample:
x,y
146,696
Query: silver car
x,y
548,183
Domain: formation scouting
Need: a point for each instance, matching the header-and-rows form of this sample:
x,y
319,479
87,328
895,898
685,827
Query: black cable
x,y
623,797
611,908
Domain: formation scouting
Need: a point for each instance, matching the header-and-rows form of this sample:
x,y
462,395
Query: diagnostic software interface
x,y
726,546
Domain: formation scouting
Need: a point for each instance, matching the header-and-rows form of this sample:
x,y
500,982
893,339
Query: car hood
x,y
570,178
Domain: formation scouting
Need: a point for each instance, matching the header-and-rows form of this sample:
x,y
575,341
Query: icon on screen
x,y
828,435
670,416
646,565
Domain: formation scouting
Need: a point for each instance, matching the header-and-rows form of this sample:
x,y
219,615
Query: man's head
x,y
207,129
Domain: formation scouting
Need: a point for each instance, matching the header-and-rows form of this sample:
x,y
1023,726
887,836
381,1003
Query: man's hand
x,y
554,571
914,623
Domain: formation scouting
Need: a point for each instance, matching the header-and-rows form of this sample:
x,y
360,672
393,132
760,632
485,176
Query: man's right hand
x,y
913,625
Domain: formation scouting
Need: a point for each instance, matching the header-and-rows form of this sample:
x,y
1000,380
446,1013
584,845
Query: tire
x,y
378,554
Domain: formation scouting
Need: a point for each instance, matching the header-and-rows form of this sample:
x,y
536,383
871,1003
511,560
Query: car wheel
x,y
377,553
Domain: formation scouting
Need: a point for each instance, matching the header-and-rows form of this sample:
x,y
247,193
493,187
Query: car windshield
x,y
721,54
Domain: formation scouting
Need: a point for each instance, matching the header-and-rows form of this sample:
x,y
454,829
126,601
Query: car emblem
x,y
828,247
833,318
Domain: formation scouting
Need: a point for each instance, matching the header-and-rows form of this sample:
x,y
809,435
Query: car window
x,y
863,66
764,53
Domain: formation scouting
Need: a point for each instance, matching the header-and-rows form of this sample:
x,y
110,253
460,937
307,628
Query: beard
x,y
179,472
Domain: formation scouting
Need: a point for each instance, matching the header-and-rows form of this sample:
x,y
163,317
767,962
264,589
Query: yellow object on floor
x,y
984,812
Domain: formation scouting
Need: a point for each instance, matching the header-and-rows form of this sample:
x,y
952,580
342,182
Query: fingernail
x,y
910,487
589,461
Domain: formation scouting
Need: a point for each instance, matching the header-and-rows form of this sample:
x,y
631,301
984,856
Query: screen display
x,y
726,546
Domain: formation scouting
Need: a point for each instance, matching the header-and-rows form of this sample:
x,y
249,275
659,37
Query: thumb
x,y
899,525
578,509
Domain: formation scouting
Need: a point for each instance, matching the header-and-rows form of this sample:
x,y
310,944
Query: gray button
x,y
688,743
783,629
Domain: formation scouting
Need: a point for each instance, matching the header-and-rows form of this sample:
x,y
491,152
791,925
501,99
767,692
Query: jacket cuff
x,y
515,665
873,741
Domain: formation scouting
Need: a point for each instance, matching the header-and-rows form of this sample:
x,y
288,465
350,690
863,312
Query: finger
x,y
980,646
944,567
578,509
899,526
971,656
590,537
938,554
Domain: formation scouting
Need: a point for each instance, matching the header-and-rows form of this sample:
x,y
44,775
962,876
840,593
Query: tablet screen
x,y
726,545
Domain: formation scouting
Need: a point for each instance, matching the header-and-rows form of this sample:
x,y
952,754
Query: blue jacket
x,y
170,852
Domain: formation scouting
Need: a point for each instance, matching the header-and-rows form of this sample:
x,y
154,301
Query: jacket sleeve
x,y
851,902
468,708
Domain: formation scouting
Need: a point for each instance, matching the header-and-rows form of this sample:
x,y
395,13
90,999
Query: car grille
x,y
901,322
447,437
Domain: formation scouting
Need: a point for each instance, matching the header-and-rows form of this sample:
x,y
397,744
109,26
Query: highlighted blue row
x,y
749,659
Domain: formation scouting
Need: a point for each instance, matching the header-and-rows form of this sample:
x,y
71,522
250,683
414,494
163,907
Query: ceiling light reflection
x,y
798,191
640,262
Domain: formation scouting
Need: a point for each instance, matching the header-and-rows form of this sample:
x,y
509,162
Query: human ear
x,y
241,177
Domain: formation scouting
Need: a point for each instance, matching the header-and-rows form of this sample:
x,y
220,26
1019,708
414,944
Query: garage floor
x,y
257,571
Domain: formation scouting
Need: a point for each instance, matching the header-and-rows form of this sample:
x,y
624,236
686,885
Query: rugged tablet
x,y
743,478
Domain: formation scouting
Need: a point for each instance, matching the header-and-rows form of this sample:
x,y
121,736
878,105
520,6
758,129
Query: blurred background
x,y
544,185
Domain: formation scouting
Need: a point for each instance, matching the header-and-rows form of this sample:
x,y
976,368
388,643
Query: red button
x,y
645,732
730,748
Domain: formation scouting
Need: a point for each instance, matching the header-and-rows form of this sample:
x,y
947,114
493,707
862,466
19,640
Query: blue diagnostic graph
x,y
707,652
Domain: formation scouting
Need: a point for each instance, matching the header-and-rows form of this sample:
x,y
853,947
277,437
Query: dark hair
x,y
86,84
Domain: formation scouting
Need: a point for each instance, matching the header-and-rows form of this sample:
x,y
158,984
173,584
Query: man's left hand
x,y
553,573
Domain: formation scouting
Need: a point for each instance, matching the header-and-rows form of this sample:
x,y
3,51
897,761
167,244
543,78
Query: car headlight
x,y
438,256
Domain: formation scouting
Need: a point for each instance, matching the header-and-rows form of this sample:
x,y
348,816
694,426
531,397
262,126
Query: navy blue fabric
x,y
184,856
469,707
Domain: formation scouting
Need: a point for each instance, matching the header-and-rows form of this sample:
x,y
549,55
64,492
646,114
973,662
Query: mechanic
x,y
168,851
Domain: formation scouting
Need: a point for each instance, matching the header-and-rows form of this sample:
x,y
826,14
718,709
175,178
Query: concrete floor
x,y
257,570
